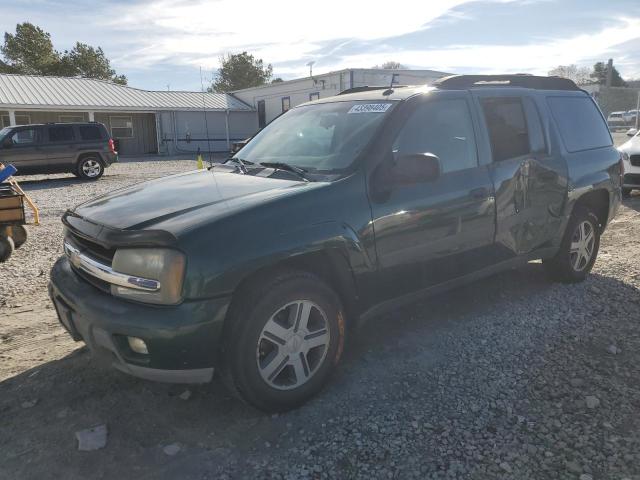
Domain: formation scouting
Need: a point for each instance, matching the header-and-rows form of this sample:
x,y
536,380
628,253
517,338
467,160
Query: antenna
x,y
206,123
393,79
310,65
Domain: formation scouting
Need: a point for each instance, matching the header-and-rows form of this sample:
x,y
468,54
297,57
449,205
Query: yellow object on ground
x,y
200,162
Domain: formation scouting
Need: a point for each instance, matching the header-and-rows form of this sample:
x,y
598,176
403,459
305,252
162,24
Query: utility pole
x,y
638,109
609,72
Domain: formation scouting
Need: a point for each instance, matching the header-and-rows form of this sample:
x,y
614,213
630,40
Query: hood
x,y
150,203
631,146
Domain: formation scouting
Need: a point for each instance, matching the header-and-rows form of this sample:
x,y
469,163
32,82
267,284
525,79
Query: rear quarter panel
x,y
590,170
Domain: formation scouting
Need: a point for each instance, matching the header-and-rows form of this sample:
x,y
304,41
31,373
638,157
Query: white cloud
x,y
196,33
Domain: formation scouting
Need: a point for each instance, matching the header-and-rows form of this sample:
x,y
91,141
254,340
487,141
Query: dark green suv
x,y
84,149
339,210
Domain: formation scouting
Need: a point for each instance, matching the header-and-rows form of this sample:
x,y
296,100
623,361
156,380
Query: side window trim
x,y
532,117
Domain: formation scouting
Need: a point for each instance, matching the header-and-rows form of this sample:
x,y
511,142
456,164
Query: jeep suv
x,y
340,209
84,149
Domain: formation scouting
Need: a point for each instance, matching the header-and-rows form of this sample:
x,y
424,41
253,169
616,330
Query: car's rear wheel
x,y
90,168
6,248
579,247
284,340
626,192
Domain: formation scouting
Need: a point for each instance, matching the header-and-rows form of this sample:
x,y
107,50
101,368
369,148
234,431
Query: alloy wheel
x,y
91,168
582,243
293,345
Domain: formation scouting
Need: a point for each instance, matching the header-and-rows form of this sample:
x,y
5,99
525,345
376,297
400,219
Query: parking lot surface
x,y
511,377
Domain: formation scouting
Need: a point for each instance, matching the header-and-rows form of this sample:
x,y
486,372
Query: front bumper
x,y
182,340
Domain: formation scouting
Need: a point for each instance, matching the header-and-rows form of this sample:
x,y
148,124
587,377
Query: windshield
x,y
322,137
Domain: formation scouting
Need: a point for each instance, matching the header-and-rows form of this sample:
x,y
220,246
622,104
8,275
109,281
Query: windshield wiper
x,y
242,164
301,172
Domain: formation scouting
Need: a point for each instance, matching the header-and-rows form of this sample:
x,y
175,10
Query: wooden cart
x,y
13,233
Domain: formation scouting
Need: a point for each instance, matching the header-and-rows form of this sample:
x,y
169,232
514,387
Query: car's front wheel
x,y
284,339
579,247
90,168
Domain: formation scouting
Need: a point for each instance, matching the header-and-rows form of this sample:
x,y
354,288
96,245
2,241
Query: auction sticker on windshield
x,y
370,108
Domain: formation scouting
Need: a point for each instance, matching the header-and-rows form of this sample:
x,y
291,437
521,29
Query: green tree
x,y
238,71
30,51
86,61
599,75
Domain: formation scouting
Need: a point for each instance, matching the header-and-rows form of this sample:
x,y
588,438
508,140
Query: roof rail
x,y
463,82
366,88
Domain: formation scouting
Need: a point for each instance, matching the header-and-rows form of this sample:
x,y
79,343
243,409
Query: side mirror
x,y
632,132
408,169
7,143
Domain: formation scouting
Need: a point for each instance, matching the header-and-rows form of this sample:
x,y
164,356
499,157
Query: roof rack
x,y
366,88
463,82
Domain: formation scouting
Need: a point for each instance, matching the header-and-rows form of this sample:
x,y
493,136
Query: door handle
x,y
479,193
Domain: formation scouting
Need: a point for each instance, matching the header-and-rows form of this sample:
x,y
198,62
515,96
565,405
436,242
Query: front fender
x,y
223,276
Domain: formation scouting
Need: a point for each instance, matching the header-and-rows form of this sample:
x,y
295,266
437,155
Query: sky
x,y
161,44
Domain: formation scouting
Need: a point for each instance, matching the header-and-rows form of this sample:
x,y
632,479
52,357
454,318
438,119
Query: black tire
x,y
244,344
6,248
567,266
626,192
89,167
19,235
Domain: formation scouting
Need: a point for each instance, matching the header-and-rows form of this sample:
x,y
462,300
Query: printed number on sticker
x,y
370,108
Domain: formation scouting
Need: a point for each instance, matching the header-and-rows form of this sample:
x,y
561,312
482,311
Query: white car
x,y
616,118
630,116
631,159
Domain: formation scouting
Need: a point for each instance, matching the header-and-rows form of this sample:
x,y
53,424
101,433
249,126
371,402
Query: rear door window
x,y
580,123
507,125
61,133
90,132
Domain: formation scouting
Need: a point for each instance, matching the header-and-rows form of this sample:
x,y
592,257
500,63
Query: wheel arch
x,y
83,155
598,201
331,265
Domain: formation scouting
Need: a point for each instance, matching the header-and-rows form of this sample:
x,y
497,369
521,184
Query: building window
x,y
121,127
71,118
20,120
286,103
314,96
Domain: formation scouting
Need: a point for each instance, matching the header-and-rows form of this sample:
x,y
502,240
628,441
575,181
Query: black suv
x,y
84,149
340,209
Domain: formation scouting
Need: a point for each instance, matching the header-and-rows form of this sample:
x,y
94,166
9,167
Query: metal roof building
x,y
272,99
141,121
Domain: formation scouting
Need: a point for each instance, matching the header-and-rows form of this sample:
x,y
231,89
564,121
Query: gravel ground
x,y
513,377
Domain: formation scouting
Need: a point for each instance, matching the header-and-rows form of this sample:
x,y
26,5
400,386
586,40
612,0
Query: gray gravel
x,y
27,274
513,377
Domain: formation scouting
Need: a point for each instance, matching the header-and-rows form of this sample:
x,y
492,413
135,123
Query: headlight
x,y
164,266
625,157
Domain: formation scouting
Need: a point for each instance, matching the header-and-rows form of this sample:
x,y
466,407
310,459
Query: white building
x,y
273,99
141,121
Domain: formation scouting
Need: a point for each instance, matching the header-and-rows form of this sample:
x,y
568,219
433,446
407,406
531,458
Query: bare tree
x,y
390,65
580,75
